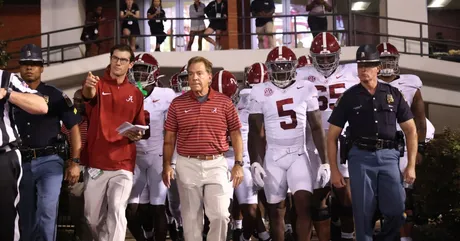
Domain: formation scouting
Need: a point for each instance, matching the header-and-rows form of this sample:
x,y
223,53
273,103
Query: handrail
x,y
56,31
352,31
406,21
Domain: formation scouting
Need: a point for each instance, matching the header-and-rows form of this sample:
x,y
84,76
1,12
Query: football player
x,y
279,112
331,80
410,86
224,82
140,223
149,158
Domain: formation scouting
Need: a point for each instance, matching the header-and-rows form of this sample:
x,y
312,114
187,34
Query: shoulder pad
x,y
411,80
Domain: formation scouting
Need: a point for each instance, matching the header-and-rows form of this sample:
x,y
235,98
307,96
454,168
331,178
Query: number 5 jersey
x,y
285,111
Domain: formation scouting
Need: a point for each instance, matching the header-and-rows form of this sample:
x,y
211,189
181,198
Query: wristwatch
x,y
239,163
8,93
76,160
421,148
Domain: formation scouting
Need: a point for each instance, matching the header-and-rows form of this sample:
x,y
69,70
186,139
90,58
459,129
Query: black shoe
x,y
180,234
236,234
172,231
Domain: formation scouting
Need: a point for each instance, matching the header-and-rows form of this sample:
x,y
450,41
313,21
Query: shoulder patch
x,y
67,100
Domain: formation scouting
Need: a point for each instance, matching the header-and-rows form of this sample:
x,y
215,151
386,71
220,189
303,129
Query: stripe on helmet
x,y
385,49
262,71
140,57
280,51
219,81
324,41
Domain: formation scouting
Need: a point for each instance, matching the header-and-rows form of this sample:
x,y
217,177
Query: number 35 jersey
x,y
285,111
330,88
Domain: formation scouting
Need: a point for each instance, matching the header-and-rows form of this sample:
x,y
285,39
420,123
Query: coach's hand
x,y
237,175
133,135
168,174
91,80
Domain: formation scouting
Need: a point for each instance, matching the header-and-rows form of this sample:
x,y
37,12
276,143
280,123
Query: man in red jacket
x,y
109,156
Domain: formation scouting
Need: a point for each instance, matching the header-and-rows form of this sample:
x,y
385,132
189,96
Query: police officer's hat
x,y
31,53
367,53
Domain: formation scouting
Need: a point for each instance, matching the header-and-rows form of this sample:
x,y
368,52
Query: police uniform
x,y
373,159
42,166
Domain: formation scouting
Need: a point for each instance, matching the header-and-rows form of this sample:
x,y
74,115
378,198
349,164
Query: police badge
x,y
390,99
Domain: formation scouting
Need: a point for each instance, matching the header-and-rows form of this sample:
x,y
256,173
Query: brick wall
x,y
19,21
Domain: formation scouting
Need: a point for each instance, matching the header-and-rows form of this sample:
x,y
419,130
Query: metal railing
x,y
352,31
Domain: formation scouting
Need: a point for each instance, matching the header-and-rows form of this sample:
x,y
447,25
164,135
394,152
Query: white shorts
x,y
149,167
245,192
286,168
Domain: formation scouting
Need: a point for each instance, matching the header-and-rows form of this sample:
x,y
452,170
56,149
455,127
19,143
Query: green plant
x,y
437,188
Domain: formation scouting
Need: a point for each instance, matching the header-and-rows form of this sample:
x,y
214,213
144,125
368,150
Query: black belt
x,y
375,144
33,153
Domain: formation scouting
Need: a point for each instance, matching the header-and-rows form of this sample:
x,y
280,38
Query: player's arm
x,y
332,139
316,127
405,119
256,138
336,121
418,110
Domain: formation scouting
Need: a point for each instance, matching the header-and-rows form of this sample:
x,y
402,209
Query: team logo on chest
x,y
311,78
268,92
130,99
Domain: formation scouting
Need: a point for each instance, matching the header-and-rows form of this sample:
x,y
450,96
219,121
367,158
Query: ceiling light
x,y
360,6
439,3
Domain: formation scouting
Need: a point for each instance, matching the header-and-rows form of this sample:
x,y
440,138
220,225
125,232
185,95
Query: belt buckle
x,y
379,144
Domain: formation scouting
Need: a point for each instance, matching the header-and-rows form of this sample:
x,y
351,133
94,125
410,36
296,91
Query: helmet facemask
x,y
390,66
282,72
326,63
144,74
182,79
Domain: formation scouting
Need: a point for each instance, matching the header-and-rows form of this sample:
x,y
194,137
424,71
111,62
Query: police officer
x,y
372,108
40,144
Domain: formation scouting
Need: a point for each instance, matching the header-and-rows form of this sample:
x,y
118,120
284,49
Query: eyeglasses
x,y
122,60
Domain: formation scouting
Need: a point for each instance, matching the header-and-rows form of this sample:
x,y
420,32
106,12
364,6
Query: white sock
x,y
287,227
264,235
406,239
237,224
347,235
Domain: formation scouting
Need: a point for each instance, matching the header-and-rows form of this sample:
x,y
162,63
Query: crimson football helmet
x,y
183,79
225,82
146,70
281,64
389,57
257,73
325,53
304,61
174,83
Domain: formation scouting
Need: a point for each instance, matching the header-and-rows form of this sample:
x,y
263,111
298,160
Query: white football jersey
x,y
243,114
330,88
156,104
408,84
284,110
430,130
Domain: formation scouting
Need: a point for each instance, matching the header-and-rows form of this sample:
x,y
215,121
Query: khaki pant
x,y
204,182
267,28
106,198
